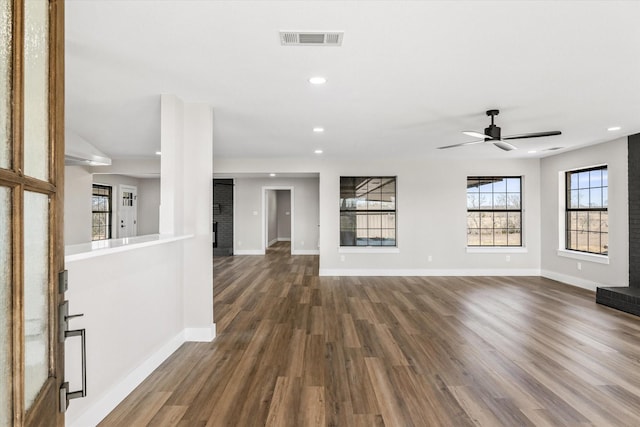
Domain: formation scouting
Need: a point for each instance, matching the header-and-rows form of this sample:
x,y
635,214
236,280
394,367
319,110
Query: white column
x,y
186,205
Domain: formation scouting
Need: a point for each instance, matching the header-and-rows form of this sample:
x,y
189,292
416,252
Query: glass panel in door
x,y
6,344
5,83
36,292
36,89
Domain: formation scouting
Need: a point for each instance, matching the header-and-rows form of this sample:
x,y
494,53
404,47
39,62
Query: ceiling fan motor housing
x,y
493,131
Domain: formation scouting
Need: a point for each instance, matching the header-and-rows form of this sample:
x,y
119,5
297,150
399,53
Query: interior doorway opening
x,y
278,218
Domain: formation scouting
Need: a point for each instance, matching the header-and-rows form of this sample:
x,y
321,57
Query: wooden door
x,y
31,206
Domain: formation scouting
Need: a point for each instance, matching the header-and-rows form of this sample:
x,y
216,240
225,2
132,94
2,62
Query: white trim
x,y
368,250
571,280
112,398
583,256
497,250
427,272
249,252
200,334
306,252
283,239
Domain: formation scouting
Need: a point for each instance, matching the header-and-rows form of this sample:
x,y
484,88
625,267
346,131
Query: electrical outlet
x,y
579,266
301,242
429,258
342,258
508,258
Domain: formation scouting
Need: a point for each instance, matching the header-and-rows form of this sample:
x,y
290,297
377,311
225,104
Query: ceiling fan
x,y
492,134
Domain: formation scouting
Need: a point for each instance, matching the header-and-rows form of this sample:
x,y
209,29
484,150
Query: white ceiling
x,y
409,77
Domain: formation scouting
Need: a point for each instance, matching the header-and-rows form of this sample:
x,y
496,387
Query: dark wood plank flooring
x,y
295,349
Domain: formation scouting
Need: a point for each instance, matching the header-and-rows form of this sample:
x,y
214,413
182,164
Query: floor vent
x,y
296,38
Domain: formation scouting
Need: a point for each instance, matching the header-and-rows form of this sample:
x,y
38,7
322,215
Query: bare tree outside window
x,y
587,214
494,211
101,212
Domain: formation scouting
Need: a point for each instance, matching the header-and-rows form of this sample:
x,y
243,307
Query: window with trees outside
x,y
101,212
368,211
494,211
587,216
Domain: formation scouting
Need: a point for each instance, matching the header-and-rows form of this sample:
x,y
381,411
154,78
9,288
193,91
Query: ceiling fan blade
x,y
462,144
533,135
475,134
504,145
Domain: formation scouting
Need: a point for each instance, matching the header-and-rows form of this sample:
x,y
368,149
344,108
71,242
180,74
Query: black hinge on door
x,y
65,394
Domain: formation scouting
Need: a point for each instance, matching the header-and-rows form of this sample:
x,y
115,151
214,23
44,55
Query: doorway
x,y
278,217
223,217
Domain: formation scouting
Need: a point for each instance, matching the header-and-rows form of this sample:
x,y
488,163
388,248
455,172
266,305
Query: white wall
x,y
284,214
77,205
272,217
431,214
133,316
248,214
431,219
148,206
565,269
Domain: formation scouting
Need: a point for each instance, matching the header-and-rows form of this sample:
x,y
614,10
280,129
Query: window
x,y
587,217
101,212
368,211
494,211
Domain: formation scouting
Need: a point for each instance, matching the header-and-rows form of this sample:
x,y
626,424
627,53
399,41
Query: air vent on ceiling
x,y
297,38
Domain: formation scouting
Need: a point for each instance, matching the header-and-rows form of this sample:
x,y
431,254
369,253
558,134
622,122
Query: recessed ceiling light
x,y
318,80
318,151
158,152
613,128
318,129
532,151
272,174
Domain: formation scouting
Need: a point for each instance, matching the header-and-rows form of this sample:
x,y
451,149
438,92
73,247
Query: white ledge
x,y
368,250
497,250
111,246
583,256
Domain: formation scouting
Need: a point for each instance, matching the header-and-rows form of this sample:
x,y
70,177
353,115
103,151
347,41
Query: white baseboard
x,y
249,252
571,280
120,391
284,239
200,334
428,272
305,252
113,397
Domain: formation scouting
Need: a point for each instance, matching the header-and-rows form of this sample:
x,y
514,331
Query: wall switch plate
x,y
429,258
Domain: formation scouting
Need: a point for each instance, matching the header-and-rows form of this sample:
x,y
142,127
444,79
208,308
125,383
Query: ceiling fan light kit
x,y
493,134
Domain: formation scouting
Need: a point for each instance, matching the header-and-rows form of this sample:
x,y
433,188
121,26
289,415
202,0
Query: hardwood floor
x,y
295,349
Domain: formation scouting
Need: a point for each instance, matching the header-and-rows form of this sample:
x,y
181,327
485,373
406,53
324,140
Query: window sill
x,y
368,250
496,250
582,256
